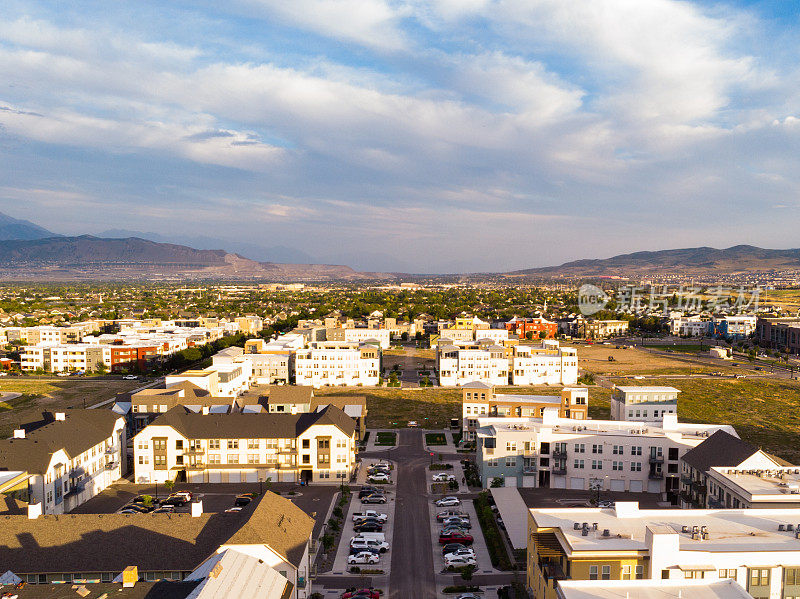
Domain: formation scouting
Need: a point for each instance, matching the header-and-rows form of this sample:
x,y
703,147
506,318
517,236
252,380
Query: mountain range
x,y
738,259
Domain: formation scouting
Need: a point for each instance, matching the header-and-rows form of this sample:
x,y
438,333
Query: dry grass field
x,y
594,359
42,394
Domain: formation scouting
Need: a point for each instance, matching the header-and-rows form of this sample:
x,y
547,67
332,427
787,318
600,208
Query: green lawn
x,y
386,439
435,439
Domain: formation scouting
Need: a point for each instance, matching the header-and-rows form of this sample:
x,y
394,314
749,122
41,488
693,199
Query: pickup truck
x,y
370,514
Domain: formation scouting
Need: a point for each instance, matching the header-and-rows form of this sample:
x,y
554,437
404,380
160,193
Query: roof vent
x,y
60,416
606,532
577,526
19,433
585,532
781,527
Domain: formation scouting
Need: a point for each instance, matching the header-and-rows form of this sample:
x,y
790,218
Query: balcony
x,y
78,488
196,466
111,466
560,470
655,475
559,453
195,451
656,459
112,450
698,487
529,470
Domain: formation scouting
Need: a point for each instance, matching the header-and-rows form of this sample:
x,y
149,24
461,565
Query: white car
x,y
380,478
460,560
370,514
130,377
443,478
448,501
463,552
365,557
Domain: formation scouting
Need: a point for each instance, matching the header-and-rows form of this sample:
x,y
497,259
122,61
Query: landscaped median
x,y
491,533
435,439
386,438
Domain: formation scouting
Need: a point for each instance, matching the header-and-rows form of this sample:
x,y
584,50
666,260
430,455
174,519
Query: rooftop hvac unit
x,y
585,532
790,527
606,532
781,527
684,528
577,526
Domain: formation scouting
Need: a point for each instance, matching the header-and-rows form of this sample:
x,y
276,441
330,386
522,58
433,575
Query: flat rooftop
x,y
728,530
513,398
651,589
643,389
785,487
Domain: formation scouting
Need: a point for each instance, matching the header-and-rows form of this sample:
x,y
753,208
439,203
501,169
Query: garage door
x,y
637,486
195,477
288,477
576,482
617,485
653,486
251,476
234,477
215,477
558,482
511,481
528,481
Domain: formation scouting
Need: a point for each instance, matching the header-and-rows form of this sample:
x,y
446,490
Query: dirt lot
x,y
55,393
594,358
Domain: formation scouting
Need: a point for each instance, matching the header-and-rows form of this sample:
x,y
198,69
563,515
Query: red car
x,y
362,594
455,537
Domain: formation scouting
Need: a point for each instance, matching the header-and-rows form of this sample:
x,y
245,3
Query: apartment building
x,y
249,325
689,326
316,447
589,328
338,363
563,453
547,364
299,399
146,405
643,404
726,472
479,400
750,547
458,366
93,549
735,326
70,456
380,337
539,328
779,333
651,589
227,379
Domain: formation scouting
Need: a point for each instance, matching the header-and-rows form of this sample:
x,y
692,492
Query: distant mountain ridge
x,y
700,260
14,228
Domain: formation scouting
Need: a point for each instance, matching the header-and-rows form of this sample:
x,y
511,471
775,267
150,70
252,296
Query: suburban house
x,y
69,456
316,447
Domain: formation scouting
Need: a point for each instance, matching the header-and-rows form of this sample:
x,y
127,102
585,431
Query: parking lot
x,y
484,565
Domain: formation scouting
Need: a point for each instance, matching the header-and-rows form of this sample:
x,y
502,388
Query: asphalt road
x,y
412,555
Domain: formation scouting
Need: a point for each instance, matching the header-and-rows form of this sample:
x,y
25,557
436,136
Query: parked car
x,y
469,596
457,521
460,561
368,520
369,490
141,499
448,501
605,504
381,546
368,527
363,557
129,511
366,593
164,509
461,552
380,478
143,509
354,550
370,514
232,510
176,501
130,377
374,498
241,500
441,477
441,516
187,495
455,537
453,547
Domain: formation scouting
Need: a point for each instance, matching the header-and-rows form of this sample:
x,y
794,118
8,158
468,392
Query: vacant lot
x,y
594,358
41,394
764,412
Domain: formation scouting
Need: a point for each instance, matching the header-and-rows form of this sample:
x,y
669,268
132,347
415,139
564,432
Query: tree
x,y
529,335
497,482
466,572
100,367
169,485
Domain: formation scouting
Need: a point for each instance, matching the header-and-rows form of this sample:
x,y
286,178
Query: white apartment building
x,y
361,335
221,380
33,357
338,363
564,453
643,404
316,447
757,548
71,458
458,366
547,364
62,358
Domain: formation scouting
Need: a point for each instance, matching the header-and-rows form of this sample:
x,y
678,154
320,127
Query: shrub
x,y
494,539
337,512
497,482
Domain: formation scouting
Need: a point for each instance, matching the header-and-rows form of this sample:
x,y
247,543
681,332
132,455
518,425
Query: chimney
x,y
19,433
61,416
130,576
34,510
197,508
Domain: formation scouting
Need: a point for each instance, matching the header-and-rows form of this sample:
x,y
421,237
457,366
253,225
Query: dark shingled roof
x,y
251,426
142,590
171,542
720,449
283,394
81,430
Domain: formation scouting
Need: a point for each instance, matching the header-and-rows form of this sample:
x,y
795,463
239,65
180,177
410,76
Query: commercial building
x,y
750,547
779,333
726,472
69,456
608,455
101,548
643,404
380,337
338,363
316,447
479,400
458,366
651,589
539,328
590,328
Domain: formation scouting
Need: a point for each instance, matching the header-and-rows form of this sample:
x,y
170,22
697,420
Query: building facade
x,y
643,404
331,363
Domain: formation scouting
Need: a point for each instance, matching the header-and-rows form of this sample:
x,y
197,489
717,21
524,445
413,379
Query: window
x,y
159,444
233,458
213,443
791,576
639,572
511,446
511,461
306,458
323,458
178,443
159,460
324,443
636,466
694,574
731,573
580,448
592,572
597,464
306,444
636,450
616,465
491,462
143,459
578,464
252,458
214,458
597,448
759,577
252,444
606,573
626,572
617,450
233,443
673,454
272,444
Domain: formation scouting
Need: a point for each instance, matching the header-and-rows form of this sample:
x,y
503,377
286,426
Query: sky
x,y
431,136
